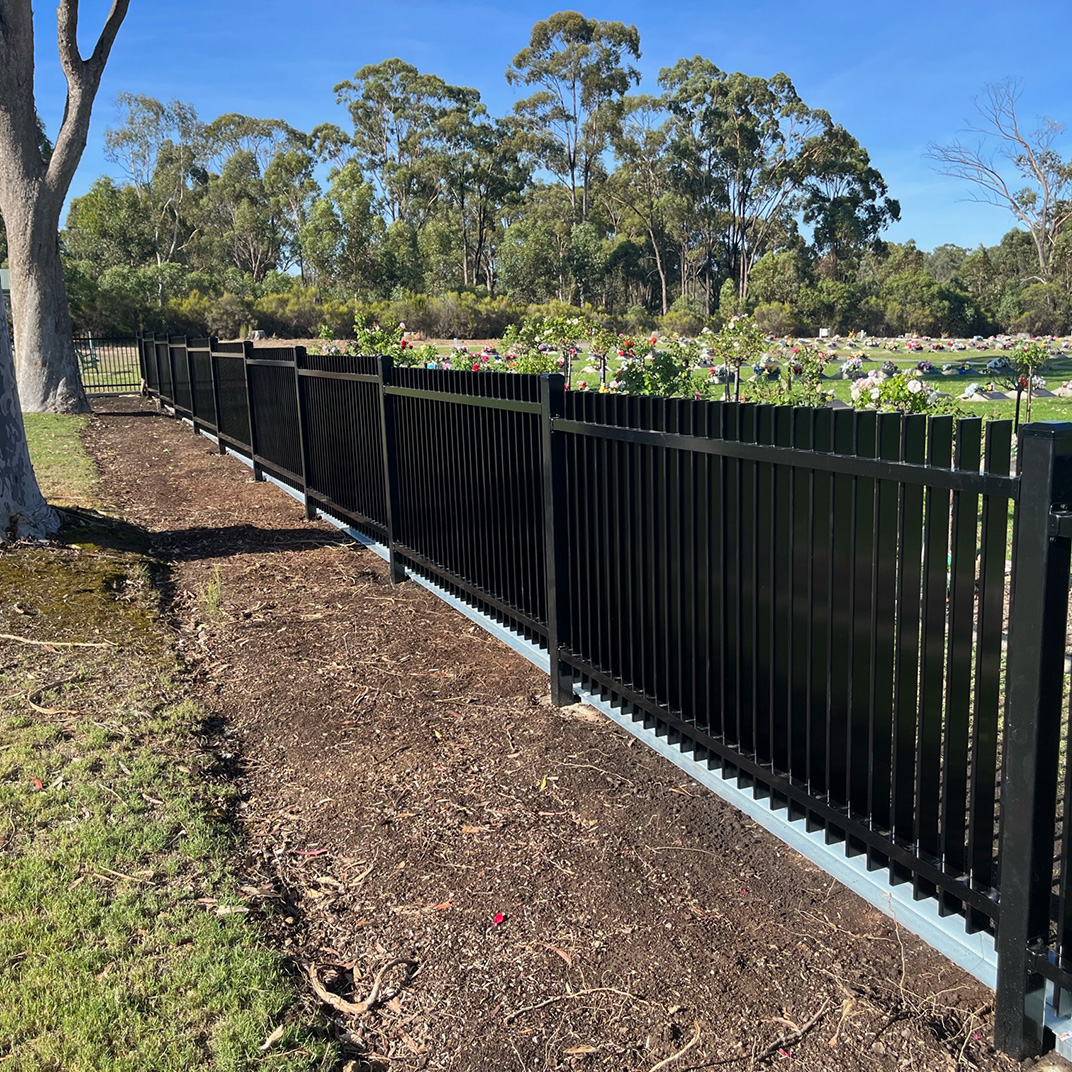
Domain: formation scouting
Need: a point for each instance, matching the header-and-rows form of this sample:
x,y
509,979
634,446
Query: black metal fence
x,y
814,601
108,365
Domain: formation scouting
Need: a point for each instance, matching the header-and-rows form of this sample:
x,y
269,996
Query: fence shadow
x,y
99,411
188,545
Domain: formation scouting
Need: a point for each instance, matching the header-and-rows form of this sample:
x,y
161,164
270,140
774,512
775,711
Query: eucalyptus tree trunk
x,y
45,363
23,510
32,191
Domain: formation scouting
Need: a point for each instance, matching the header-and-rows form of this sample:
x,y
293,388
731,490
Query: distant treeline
x,y
724,193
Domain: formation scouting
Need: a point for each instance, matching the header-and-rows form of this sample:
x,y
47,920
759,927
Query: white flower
x,y
914,387
876,393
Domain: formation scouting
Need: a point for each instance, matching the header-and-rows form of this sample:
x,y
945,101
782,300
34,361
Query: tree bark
x,y
49,378
32,191
659,267
24,514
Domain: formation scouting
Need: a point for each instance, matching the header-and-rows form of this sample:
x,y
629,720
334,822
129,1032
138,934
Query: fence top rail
x,y
515,405
278,362
980,483
340,365
325,374
520,387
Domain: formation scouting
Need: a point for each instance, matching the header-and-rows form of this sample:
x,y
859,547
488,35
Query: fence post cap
x,y
1061,430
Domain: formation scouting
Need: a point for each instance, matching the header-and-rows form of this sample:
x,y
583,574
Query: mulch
x,y
468,878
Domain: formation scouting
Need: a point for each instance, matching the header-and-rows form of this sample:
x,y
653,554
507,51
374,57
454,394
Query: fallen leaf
x,y
411,1045
499,918
38,784
561,952
580,1049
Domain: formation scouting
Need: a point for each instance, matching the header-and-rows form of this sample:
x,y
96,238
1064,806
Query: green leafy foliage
x,y
723,194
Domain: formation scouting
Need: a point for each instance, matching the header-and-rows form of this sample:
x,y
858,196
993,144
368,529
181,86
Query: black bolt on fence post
x,y
555,535
247,354
385,366
303,437
1034,681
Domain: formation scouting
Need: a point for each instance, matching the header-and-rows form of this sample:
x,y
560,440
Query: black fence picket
x,y
341,397
813,601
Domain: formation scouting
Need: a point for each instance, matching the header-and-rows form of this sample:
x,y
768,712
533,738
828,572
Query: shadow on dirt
x,y
185,545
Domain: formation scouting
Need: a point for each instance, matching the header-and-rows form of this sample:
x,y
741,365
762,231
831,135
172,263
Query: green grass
x,y
210,598
127,940
65,472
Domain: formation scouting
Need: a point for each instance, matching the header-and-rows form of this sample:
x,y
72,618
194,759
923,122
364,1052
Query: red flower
x,y
476,368
499,918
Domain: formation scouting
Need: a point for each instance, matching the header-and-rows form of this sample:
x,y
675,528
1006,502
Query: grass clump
x,y
210,598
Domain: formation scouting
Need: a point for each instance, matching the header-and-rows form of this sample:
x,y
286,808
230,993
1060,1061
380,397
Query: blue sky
x,y
897,76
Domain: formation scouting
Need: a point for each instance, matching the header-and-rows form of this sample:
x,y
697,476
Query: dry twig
x,y
39,692
680,1053
56,643
772,1049
350,1008
576,994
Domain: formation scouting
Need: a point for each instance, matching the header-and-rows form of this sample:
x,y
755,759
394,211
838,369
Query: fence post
x,y
555,535
1038,615
212,341
303,438
171,373
192,380
247,353
140,335
385,366
156,364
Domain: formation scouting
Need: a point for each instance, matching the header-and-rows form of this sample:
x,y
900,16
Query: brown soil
x,y
562,898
